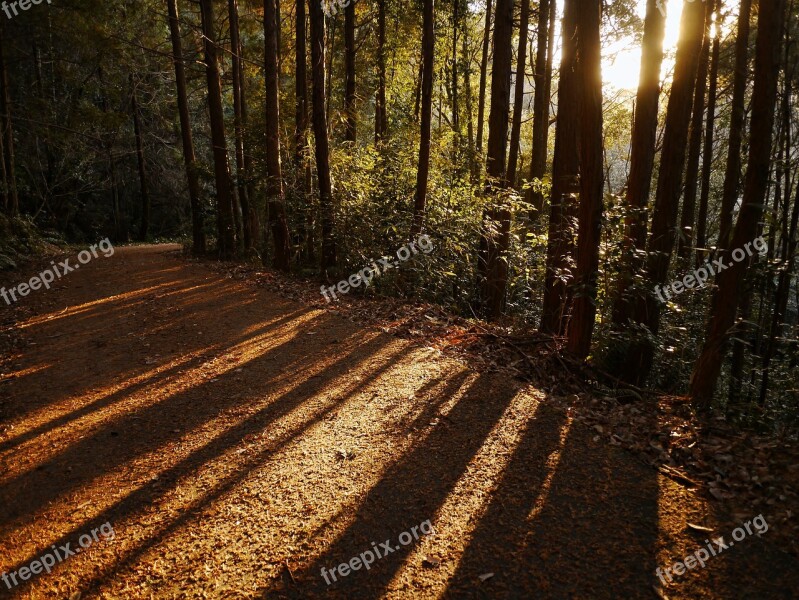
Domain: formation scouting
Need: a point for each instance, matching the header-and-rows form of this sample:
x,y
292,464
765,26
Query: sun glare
x,y
621,61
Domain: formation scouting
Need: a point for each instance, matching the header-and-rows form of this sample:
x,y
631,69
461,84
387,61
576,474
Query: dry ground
x,y
238,442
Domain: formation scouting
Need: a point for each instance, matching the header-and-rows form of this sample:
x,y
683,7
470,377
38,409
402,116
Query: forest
x,y
358,269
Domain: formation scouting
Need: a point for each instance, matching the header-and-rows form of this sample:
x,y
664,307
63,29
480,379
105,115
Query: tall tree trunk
x,y
381,119
581,326
320,134
729,281
12,207
198,232
642,162
670,178
518,95
481,100
467,87
137,131
495,238
423,170
224,182
707,153
688,218
275,202
542,76
737,116
301,159
454,91
349,72
242,177
565,184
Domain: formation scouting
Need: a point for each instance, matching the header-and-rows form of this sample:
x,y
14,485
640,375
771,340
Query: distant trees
x,y
90,142
730,280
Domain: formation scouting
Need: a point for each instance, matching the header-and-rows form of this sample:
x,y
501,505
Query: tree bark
x,y
12,207
707,153
670,178
565,184
381,119
322,150
198,232
224,183
737,116
729,281
481,99
542,77
688,218
423,170
275,202
581,325
349,72
518,95
642,161
242,175
495,238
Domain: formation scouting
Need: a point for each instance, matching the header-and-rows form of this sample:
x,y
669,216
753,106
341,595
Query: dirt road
x,y
222,441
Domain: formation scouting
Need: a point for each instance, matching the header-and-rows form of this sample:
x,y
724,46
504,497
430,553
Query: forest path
x,y
239,442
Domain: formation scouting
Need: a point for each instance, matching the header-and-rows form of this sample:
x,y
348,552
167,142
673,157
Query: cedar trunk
x,y
581,325
275,204
423,170
518,94
565,184
224,183
496,218
322,150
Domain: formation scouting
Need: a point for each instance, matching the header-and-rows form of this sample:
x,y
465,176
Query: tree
x,y
349,71
198,233
495,238
581,325
542,76
249,228
322,151
423,170
729,281
12,204
737,116
565,184
481,99
137,131
518,94
275,205
642,161
381,120
707,153
224,183
670,178
688,218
